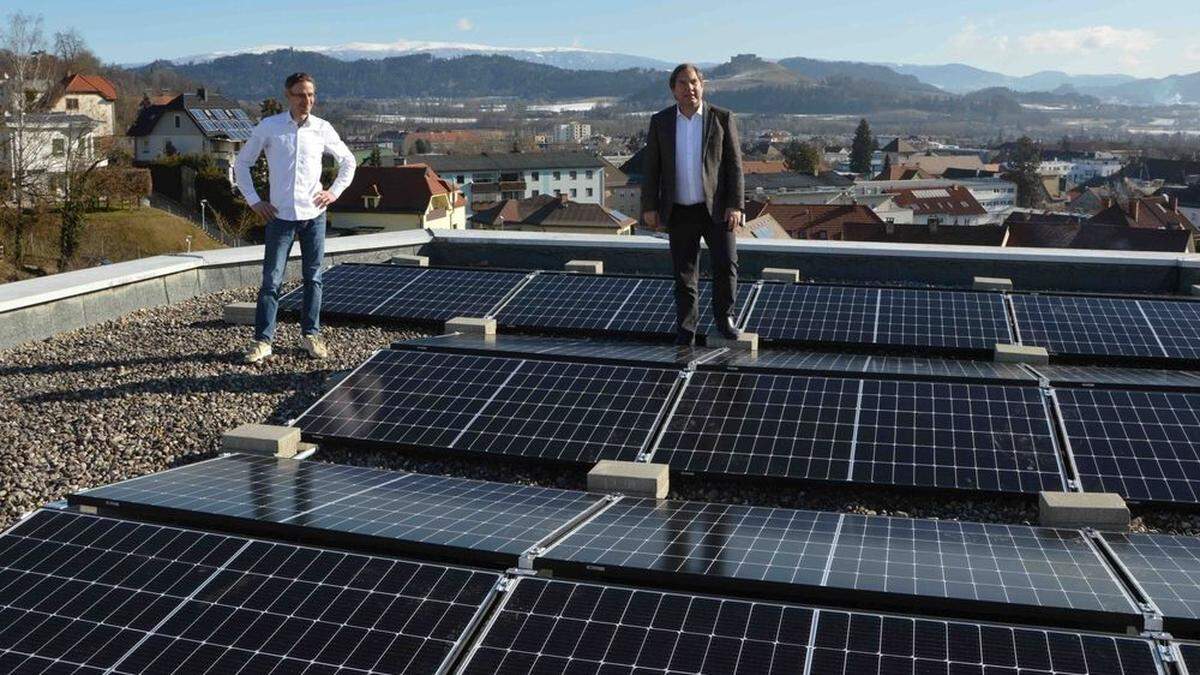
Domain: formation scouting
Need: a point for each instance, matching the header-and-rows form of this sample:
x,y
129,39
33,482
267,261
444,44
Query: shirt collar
x,y
307,120
699,113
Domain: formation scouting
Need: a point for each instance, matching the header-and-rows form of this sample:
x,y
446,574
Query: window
x,y
573,191
59,147
574,175
557,175
589,192
458,179
533,176
822,235
536,193
72,104
589,175
177,121
558,193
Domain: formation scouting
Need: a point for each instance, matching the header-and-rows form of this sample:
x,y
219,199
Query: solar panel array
x,y
619,304
386,510
409,293
90,594
896,432
1110,327
807,554
575,348
550,626
1166,567
1142,445
787,360
233,123
951,320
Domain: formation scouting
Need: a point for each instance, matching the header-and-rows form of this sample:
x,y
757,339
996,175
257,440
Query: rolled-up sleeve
x,y
246,159
344,158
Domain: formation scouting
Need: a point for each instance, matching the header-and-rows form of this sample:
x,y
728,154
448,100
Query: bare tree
x,y
73,53
24,147
79,182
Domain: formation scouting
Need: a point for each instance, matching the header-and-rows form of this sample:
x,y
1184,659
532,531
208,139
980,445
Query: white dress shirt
x,y
689,168
294,162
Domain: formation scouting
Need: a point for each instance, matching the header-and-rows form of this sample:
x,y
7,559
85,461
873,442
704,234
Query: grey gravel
x,y
156,389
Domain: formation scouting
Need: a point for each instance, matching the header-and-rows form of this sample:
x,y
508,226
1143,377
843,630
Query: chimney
x,y
1134,209
890,227
1174,203
202,93
562,201
933,227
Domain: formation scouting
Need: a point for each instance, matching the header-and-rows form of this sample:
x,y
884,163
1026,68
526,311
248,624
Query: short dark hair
x,y
682,67
296,78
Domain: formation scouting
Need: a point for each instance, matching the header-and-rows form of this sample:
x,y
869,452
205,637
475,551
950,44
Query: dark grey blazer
x,y
721,155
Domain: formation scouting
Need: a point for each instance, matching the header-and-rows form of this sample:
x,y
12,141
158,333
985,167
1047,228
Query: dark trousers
x,y
688,224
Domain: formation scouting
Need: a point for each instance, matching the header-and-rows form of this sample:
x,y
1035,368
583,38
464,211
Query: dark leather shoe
x,y
727,330
684,339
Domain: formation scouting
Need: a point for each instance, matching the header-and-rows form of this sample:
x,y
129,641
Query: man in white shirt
x,y
693,184
294,142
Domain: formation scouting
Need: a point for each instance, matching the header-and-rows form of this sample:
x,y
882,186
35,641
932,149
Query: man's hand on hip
x,y
650,218
324,198
265,210
733,218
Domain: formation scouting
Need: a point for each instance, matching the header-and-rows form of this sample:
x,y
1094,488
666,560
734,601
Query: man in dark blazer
x,y
693,185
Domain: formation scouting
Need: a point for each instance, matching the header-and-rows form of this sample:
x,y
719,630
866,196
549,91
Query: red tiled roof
x,y
952,201
798,219
90,84
763,166
1157,213
548,210
402,189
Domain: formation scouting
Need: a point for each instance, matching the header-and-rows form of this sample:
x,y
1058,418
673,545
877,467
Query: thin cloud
x,y
464,24
1126,42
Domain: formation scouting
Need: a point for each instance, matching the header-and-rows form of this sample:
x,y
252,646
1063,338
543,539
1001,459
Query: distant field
x,y
115,236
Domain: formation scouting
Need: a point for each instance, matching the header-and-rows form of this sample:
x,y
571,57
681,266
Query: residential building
x,y
1089,169
811,221
997,196
1156,213
754,166
952,205
387,198
898,151
486,178
902,172
548,213
49,145
1169,171
1055,167
620,192
896,233
572,132
1187,199
89,95
763,185
203,123
883,204
763,227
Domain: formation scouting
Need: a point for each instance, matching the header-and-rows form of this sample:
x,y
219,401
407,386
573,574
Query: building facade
x,y
488,178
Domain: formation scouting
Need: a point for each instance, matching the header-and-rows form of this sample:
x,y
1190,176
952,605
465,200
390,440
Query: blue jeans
x,y
280,234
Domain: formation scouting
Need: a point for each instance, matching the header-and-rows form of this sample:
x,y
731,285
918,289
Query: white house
x,y
90,95
201,123
48,144
572,132
491,177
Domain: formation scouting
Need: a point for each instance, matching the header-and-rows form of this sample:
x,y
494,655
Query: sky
x,y
1152,38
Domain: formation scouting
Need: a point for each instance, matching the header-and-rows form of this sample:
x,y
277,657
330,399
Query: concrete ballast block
x,y
470,325
636,479
262,439
992,284
745,341
1006,353
410,260
240,313
1101,510
585,266
780,274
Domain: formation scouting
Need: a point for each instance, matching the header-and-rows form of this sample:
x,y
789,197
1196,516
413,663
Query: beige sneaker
x,y
257,351
315,346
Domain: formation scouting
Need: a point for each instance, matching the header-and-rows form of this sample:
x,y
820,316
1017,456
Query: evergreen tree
x,y
1023,170
269,107
375,158
801,157
863,148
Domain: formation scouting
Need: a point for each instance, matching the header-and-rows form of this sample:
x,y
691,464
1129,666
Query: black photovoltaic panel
x,y
567,301
1142,445
651,307
549,626
355,290
579,412
1135,377
934,318
760,424
384,510
800,361
834,362
1167,567
524,345
1085,325
442,294
1191,656
957,369
814,313
1177,326
967,436
966,568
82,593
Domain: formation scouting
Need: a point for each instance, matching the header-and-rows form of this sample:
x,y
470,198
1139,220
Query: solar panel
x,y
90,594
442,294
834,362
382,510
789,360
949,369
544,409
894,432
758,424
552,626
804,313
950,567
1085,325
355,290
949,319
575,348
1126,377
1190,652
965,436
1142,445
1167,567
567,301
1176,324
651,307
